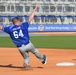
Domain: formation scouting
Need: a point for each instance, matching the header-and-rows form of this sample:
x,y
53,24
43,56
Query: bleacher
x,y
50,11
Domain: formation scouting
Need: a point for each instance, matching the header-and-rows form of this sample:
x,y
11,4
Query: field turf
x,y
63,42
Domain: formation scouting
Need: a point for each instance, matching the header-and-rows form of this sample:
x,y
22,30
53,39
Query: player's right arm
x,y
33,13
31,16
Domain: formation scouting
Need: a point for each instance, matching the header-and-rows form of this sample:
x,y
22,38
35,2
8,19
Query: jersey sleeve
x,y
5,29
26,24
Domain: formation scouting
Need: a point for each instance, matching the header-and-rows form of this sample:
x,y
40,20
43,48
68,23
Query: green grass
x,y
65,42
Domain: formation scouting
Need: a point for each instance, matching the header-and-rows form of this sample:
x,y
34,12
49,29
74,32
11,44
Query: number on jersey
x,y
17,35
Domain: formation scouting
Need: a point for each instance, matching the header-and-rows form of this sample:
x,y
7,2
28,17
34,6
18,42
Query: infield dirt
x,y
11,62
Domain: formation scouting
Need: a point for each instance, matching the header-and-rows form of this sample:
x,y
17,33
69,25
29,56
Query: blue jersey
x,y
18,34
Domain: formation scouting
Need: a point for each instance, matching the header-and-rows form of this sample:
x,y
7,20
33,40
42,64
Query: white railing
x,y
48,7
54,9
38,1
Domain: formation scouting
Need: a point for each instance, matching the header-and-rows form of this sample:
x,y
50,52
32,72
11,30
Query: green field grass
x,y
63,42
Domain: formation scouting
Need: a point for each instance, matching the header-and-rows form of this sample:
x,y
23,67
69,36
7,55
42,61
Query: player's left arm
x,y
5,28
1,27
33,13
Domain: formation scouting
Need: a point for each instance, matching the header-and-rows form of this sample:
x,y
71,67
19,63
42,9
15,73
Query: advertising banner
x,y
53,28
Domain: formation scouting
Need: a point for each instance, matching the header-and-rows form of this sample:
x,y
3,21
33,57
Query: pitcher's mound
x,y
65,64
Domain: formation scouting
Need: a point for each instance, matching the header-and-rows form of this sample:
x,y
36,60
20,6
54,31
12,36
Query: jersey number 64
x,y
18,34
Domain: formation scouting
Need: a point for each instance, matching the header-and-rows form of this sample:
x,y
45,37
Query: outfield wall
x,y
49,30
52,28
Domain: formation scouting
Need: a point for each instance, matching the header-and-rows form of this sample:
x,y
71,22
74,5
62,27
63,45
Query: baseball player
x,y
19,34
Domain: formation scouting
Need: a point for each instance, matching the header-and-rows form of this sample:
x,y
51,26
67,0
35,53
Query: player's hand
x,y
33,13
0,27
37,6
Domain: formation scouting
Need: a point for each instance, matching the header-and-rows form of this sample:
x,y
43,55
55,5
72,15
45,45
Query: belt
x,y
23,44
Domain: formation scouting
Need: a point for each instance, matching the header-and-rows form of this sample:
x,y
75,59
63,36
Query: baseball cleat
x,y
27,66
44,59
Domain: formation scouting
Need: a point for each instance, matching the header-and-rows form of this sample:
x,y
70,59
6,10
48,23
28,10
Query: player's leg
x,y
26,61
26,58
41,57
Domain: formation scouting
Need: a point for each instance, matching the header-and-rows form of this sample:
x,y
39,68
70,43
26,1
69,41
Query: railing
x,y
52,9
38,1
